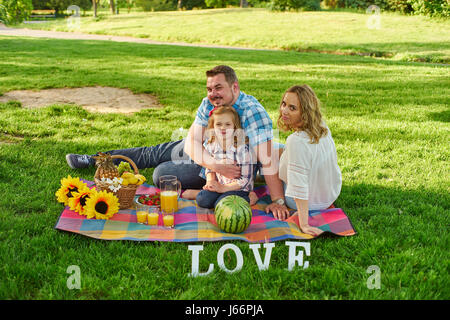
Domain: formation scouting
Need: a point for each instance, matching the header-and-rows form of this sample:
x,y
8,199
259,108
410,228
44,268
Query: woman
x,y
308,165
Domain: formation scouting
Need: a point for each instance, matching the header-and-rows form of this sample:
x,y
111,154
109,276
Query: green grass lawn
x,y
390,123
404,38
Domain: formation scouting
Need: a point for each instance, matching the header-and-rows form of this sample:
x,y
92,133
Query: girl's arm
x,y
302,212
211,181
233,186
210,176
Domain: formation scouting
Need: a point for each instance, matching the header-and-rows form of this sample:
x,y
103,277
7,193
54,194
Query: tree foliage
x,y
434,8
307,5
15,11
61,5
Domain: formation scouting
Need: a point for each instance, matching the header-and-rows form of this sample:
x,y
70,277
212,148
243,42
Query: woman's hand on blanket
x,y
279,212
311,230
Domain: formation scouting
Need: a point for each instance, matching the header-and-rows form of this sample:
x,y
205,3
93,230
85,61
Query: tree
x,y
125,4
15,11
94,6
112,6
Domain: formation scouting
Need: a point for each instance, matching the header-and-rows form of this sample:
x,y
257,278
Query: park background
x,y
385,94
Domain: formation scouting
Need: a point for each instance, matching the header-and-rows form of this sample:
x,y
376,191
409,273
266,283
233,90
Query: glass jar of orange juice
x,y
170,191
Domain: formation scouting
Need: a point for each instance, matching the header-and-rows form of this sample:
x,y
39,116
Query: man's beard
x,y
224,103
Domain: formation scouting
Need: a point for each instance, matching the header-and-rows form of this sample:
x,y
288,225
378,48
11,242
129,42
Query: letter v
x,y
255,248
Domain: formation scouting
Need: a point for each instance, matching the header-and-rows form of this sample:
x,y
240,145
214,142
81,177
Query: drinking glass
x,y
141,213
168,218
153,216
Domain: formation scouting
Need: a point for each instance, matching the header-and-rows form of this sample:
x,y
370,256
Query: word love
x,y
294,257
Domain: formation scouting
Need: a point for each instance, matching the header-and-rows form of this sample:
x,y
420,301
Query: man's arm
x,y
193,146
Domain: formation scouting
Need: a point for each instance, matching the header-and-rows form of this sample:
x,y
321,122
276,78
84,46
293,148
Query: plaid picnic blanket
x,y
195,224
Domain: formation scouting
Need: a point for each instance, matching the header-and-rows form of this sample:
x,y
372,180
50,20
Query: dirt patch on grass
x,y
92,99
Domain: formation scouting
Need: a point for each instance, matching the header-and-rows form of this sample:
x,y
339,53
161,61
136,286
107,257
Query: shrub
x,y
259,3
15,11
61,5
356,4
157,5
221,3
433,8
402,6
307,5
190,4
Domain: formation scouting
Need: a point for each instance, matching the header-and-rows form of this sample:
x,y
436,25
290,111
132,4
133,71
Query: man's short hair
x,y
228,72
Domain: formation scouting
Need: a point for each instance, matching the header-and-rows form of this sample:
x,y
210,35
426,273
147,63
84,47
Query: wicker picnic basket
x,y
126,193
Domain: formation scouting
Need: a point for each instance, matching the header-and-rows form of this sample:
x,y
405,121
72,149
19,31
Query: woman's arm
x,y
302,212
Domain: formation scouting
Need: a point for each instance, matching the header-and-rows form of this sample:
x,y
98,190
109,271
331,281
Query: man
x,y
187,158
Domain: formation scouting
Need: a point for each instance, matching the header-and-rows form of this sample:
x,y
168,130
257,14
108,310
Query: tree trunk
x,y
111,4
180,2
244,4
94,4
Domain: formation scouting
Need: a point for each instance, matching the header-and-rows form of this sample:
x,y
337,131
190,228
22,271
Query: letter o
x,y
239,258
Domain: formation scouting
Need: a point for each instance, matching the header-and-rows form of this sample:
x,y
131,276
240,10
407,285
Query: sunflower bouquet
x,y
69,186
85,201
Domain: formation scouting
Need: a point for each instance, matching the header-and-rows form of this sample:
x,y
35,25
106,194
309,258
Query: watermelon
x,y
233,214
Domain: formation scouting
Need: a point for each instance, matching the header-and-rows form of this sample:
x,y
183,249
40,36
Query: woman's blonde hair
x,y
239,135
311,117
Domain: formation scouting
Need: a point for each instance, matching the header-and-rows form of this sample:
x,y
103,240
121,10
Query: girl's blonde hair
x,y
311,117
239,135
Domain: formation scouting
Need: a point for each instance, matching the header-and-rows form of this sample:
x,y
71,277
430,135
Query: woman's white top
x,y
310,171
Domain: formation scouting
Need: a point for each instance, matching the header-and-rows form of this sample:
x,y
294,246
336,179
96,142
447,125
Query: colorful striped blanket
x,y
195,224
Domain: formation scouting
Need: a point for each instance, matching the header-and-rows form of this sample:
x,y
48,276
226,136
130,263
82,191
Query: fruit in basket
x,y
124,166
141,179
131,178
233,214
105,167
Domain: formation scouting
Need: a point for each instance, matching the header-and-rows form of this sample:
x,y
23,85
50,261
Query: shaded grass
x,y
389,121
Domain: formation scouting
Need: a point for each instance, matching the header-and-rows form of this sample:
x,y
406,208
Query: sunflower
x,y
101,205
69,186
78,201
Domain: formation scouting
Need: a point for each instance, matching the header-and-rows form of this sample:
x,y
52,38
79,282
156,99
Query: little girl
x,y
227,143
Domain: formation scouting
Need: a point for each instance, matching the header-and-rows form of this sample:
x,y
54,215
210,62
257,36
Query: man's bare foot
x,y
190,194
253,198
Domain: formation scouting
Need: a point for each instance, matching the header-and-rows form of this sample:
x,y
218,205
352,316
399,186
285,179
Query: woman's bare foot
x,y
190,194
253,198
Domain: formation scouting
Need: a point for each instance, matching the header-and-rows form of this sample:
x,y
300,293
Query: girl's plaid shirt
x,y
241,156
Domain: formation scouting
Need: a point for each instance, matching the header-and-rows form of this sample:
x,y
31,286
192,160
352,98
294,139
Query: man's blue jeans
x,y
209,199
167,159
